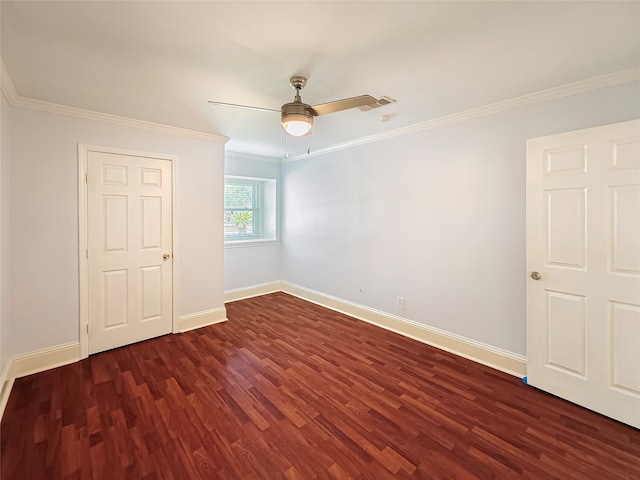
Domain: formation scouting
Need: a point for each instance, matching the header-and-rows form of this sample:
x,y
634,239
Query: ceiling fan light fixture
x,y
296,119
298,128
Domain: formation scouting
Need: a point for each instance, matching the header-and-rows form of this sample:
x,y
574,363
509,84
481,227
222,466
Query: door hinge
x,y
87,328
86,253
86,178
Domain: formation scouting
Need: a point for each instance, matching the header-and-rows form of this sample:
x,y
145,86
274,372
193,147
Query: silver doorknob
x,y
166,257
536,275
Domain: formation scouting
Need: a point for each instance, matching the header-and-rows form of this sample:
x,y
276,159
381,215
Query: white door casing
x,y
583,237
127,286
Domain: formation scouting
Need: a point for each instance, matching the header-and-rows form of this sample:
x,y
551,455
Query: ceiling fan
x,y
297,117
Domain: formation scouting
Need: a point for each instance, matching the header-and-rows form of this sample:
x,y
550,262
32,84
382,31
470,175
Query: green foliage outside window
x,y
242,220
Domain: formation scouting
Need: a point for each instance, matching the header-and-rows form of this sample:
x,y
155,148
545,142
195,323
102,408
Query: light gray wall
x,y
44,221
437,217
5,298
245,266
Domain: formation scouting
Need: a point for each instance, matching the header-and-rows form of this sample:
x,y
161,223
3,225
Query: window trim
x,y
259,242
256,208
262,234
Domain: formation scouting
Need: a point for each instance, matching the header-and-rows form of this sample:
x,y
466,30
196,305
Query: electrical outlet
x,y
400,302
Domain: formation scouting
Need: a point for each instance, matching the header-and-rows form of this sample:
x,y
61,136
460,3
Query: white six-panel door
x,y
129,239
583,239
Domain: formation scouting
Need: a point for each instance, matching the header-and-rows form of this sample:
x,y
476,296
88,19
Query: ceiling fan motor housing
x,y
296,112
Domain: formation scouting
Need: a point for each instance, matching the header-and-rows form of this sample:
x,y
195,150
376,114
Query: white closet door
x,y
129,249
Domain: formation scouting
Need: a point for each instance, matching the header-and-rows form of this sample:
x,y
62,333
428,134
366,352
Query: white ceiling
x,y
162,61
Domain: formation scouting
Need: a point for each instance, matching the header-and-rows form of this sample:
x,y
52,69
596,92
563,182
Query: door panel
x,y
583,237
129,231
566,160
625,153
625,334
115,299
566,227
625,229
566,332
151,290
116,224
151,232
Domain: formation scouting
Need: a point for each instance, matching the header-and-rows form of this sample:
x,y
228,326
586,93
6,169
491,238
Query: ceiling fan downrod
x,y
297,82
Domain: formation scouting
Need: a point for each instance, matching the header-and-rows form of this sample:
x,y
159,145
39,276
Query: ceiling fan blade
x,y
345,104
247,107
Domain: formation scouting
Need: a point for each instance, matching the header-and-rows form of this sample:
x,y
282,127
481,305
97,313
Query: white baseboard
x,y
253,291
497,358
205,318
34,362
6,383
44,359
4,374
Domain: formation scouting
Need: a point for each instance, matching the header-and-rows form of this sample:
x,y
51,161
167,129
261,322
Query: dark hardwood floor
x,y
288,389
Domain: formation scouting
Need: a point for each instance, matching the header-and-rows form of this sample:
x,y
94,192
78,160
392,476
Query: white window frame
x,y
263,206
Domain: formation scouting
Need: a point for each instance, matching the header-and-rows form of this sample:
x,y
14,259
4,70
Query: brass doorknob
x,y
166,257
536,275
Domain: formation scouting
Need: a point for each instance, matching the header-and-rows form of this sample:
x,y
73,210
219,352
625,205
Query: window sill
x,y
249,243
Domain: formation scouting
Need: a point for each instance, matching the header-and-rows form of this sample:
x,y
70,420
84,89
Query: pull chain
x,y
286,145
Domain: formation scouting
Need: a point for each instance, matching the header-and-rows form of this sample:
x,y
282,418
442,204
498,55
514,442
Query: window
x,y
241,208
249,209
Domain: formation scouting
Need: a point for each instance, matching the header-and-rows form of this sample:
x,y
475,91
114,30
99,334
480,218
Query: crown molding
x,y
595,83
8,89
15,100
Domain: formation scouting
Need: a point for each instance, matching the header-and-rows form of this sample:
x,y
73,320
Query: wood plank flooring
x,y
289,390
